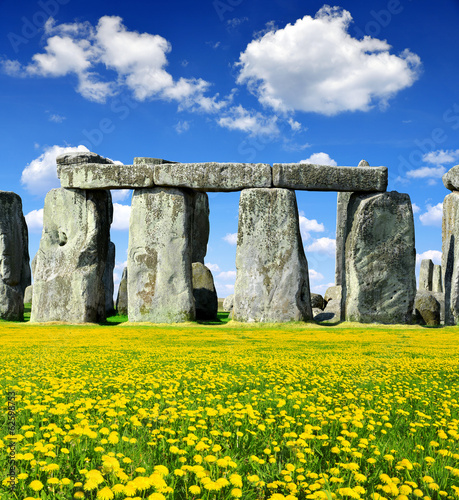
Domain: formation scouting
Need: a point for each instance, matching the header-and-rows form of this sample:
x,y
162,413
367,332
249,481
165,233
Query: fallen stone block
x,y
427,308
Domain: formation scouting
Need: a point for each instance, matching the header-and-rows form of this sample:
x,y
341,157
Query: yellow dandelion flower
x,y
105,494
194,489
36,485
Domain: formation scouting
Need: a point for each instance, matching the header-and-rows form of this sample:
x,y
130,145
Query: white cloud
x,y
321,288
315,275
120,194
223,290
433,215
323,245
182,126
34,220
227,275
423,172
441,156
56,118
212,267
230,238
320,159
254,123
119,266
308,225
415,208
121,215
434,255
314,65
40,175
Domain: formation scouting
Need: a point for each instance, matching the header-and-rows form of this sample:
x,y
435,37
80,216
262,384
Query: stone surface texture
x,y
15,274
28,294
272,282
427,308
437,283
144,160
205,296
342,204
426,275
159,272
70,263
200,227
78,158
108,279
380,258
333,293
228,303
317,301
450,257
122,297
309,177
214,176
451,179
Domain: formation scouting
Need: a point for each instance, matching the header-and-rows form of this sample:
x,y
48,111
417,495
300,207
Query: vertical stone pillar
x,y
341,220
426,275
122,297
272,282
159,272
199,226
108,279
14,257
70,263
380,259
450,257
437,284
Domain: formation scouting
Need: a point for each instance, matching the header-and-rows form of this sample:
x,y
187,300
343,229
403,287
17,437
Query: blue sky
x,y
234,80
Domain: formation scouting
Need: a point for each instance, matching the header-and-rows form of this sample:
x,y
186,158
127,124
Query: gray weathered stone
x,y
199,226
450,257
333,293
78,158
214,176
272,282
28,295
144,160
105,176
70,263
427,308
160,286
108,279
205,296
341,225
440,296
331,314
451,179
228,303
14,257
317,301
122,297
437,283
426,274
380,259
309,177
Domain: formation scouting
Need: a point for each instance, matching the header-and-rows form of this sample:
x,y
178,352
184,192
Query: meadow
x,y
227,411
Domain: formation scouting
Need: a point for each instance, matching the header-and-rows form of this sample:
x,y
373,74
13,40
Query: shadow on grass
x,y
222,318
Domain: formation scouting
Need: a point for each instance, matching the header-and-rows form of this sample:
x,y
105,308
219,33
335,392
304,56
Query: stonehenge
x,y
166,280
15,274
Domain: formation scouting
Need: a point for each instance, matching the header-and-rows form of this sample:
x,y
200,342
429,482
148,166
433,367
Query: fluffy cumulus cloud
x,y
434,255
324,245
438,159
314,65
34,220
315,276
230,238
121,215
423,172
320,159
227,275
416,208
441,156
433,215
309,225
40,175
215,268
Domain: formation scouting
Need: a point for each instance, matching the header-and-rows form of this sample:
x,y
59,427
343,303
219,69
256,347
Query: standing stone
x,y
426,275
159,272
228,303
122,298
272,282
450,257
108,279
200,226
341,221
28,295
14,257
380,259
205,296
427,308
437,284
70,263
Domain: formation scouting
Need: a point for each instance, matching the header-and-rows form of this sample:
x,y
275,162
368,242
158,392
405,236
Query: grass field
x,y
228,411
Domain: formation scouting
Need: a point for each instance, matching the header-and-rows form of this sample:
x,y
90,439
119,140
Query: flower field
x,y
231,411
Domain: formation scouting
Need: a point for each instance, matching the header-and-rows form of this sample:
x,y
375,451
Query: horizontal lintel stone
x,y
214,176
105,176
309,177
